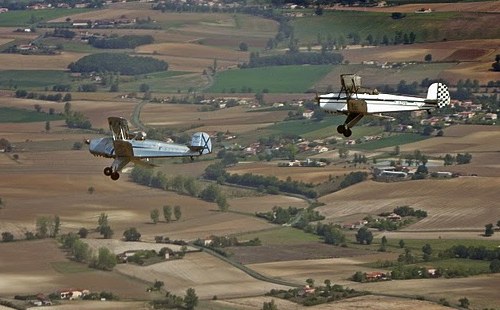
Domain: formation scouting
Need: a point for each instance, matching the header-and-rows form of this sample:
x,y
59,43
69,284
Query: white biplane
x,y
125,147
356,102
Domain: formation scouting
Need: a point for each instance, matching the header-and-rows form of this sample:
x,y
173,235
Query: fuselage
x,y
141,148
369,103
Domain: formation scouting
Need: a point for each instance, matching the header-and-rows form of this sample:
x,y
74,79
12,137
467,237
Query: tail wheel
x,y
108,171
115,176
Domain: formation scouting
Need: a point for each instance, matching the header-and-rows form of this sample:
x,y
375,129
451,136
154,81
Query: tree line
x,y
270,184
116,42
118,62
298,58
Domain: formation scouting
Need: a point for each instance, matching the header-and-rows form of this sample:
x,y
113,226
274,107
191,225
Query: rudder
x,y
438,92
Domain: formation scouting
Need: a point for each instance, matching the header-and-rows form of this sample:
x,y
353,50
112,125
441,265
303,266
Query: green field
x,y
33,79
157,82
70,267
427,27
393,140
280,79
13,115
23,18
281,235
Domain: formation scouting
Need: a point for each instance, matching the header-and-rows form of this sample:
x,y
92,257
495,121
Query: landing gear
x,y
115,176
343,129
108,171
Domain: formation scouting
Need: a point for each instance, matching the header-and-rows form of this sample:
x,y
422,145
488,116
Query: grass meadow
x,y
281,235
393,140
427,27
280,79
33,79
13,115
22,18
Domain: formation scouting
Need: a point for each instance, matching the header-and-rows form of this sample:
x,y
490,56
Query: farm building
x,y
72,294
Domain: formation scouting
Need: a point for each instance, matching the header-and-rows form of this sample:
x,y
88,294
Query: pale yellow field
x,y
38,62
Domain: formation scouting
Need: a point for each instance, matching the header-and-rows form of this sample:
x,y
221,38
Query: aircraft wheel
x,y
341,129
115,176
347,132
108,171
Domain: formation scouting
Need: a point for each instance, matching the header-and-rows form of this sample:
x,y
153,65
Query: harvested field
x,y
485,6
99,305
338,270
208,275
235,119
26,269
191,50
287,252
265,203
363,302
38,62
313,175
453,204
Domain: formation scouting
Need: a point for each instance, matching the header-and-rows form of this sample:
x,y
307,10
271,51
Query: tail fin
x,y
438,94
200,142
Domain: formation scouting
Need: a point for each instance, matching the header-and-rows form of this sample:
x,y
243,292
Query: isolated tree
x,y
191,299
269,305
107,232
243,46
167,213
310,282
102,221
67,108
158,285
81,251
383,244
495,265
427,250
7,237
57,226
401,243
428,58
47,126
131,234
144,88
364,236
222,202
106,260
488,230
83,232
464,302
38,107
498,223
177,212
91,190
43,227
155,216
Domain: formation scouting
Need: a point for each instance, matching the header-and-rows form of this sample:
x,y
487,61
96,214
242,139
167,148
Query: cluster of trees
x,y
172,301
271,184
409,211
63,33
322,293
298,217
489,230
332,234
460,159
118,62
309,58
226,241
181,184
46,227
75,119
103,226
21,93
167,214
81,252
115,42
353,178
